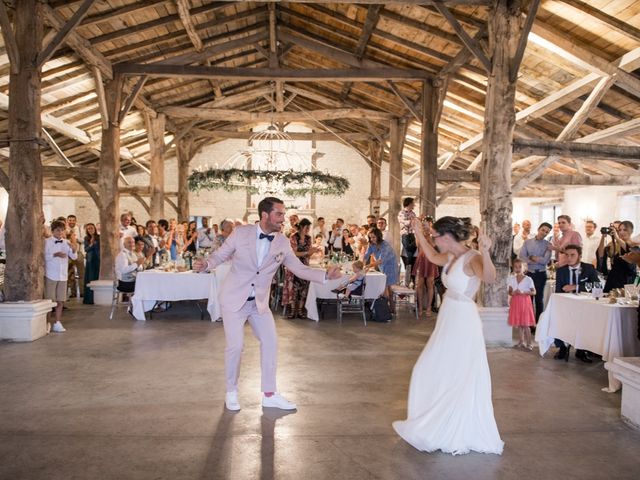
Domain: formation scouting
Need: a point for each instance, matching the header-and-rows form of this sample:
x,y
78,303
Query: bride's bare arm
x,y
482,265
432,254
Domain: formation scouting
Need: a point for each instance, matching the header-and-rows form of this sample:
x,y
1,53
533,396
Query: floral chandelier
x,y
270,165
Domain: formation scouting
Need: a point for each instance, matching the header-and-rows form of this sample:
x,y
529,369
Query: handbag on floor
x,y
380,311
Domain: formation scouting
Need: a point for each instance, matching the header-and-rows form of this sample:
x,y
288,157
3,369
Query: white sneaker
x,y
231,401
278,401
58,328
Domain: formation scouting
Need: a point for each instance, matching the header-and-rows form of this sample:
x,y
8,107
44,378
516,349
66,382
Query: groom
x,y
256,252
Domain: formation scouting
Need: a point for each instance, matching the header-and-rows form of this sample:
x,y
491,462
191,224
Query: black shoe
x,y
583,357
561,354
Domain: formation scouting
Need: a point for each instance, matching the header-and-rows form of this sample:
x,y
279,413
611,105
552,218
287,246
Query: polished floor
x,y
124,399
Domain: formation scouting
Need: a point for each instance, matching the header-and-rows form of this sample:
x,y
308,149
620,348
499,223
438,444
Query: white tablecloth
x,y
374,287
156,285
595,325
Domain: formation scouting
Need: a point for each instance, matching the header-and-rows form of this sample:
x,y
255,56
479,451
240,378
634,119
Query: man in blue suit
x,y
571,279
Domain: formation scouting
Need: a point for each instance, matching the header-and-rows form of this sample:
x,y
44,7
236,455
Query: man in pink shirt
x,y
566,236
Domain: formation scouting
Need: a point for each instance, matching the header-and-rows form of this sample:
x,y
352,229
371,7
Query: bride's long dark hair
x,y
458,228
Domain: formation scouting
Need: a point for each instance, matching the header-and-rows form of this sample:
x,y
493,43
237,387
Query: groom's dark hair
x,y
266,205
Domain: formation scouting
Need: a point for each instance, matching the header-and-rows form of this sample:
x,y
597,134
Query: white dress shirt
x,y
56,268
126,266
589,248
206,240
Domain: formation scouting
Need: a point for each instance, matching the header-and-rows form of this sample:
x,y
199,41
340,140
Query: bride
x,y
450,405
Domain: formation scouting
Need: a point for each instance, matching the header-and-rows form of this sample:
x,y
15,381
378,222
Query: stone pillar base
x,y
24,321
497,332
627,371
102,291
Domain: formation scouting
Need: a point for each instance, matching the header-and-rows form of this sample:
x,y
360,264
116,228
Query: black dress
x,y
621,273
91,269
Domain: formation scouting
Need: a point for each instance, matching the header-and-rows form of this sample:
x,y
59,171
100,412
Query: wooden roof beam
x,y
188,24
577,150
239,116
608,20
380,74
317,136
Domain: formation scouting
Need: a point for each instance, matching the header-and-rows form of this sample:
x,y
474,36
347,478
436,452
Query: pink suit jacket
x,y
245,272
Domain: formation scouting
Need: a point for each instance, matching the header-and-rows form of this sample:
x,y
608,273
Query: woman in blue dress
x,y
380,254
92,256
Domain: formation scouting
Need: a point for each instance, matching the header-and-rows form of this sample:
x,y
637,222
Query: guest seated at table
x,y
380,254
128,263
355,283
348,242
571,278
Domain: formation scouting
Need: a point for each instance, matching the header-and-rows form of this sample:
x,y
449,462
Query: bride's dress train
x,y
450,405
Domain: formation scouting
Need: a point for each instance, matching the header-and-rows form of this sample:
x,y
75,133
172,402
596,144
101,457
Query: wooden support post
x,y
395,183
24,277
155,132
185,153
108,169
429,149
505,25
376,173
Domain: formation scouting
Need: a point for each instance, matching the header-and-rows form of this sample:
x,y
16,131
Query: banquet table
x,y
607,329
157,285
374,287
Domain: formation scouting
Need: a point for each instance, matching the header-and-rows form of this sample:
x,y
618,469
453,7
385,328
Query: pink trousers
x,y
264,328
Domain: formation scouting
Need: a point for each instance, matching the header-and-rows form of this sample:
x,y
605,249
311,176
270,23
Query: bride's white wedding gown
x,y
450,405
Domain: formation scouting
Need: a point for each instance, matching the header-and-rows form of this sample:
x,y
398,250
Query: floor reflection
x,y
218,463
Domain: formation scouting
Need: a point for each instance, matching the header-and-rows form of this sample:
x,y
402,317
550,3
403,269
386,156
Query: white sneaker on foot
x,y
278,401
58,328
231,401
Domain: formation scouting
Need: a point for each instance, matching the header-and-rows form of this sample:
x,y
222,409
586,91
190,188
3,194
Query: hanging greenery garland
x,y
292,183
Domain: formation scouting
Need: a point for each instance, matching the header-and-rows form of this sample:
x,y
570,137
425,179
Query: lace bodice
x,y
456,280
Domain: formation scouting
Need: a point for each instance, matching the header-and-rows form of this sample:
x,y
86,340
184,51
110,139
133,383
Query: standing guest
x,y
371,220
191,237
570,278
567,236
256,253
295,289
141,231
335,236
321,229
172,242
622,272
536,253
206,235
72,225
633,257
76,266
57,252
128,264
381,223
407,236
163,237
92,255
590,243
521,290
523,236
180,239
425,273
317,256
151,243
292,227
126,229
380,254
226,229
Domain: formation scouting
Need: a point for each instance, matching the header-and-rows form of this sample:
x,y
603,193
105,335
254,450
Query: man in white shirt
x,y
206,235
381,223
521,237
335,237
57,252
590,242
73,232
321,229
126,229
128,264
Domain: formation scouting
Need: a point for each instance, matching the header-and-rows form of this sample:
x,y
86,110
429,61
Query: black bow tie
x,y
268,237
59,241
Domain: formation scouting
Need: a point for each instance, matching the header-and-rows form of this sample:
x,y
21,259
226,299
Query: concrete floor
x,y
144,400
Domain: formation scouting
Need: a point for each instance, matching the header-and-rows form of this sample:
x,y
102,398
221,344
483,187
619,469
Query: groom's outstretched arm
x,y
224,252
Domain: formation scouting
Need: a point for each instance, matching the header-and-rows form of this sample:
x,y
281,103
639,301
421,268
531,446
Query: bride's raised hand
x,y
484,242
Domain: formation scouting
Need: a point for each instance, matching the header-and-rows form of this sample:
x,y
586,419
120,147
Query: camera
x,y
606,231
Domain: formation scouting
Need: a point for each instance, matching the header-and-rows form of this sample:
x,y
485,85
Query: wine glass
x,y
588,286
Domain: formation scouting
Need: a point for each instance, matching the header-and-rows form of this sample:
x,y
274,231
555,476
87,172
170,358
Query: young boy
x,y
355,281
57,252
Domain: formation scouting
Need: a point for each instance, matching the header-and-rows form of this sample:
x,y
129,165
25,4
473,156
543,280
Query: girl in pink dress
x,y
521,289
